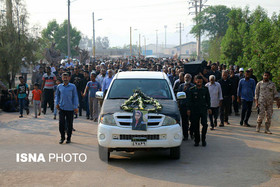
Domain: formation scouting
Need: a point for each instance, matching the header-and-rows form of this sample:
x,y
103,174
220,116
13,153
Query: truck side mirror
x,y
99,95
181,95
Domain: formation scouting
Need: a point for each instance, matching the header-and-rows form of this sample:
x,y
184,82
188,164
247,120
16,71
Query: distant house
x,y
187,49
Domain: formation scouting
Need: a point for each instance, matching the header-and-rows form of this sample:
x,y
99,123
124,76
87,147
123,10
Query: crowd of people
x,y
215,92
218,92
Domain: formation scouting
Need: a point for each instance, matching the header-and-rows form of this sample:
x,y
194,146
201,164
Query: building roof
x,y
189,43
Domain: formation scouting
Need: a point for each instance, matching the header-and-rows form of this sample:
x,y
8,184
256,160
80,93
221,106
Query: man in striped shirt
x,y
48,83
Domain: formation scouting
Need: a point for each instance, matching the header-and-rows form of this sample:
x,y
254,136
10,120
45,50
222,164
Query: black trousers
x,y
66,119
48,98
246,111
185,122
215,113
80,103
224,110
234,104
196,117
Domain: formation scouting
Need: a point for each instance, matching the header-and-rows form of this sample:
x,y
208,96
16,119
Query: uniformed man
x,y
198,103
264,95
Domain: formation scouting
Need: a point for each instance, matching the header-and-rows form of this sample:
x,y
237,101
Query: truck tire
x,y
104,153
175,153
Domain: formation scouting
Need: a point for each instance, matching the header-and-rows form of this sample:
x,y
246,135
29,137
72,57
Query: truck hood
x,y
169,107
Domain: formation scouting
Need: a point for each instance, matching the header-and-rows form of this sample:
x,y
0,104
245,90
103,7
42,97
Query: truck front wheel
x,y
175,153
104,153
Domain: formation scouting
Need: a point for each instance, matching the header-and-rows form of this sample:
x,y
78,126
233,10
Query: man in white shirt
x,y
216,97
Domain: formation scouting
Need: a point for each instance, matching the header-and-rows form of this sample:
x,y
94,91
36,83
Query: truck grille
x,y
148,136
125,119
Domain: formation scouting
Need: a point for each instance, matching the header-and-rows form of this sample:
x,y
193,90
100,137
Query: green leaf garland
x,y
139,100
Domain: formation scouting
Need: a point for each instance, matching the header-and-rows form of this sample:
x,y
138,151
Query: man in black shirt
x,y
252,75
214,71
235,82
86,99
227,90
198,103
77,79
185,87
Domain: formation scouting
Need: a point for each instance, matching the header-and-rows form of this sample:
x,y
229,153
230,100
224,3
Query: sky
x,y
144,16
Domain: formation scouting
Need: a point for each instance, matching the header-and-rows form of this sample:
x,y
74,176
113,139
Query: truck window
x,y
156,88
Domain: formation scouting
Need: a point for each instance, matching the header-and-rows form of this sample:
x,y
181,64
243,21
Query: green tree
x,y
58,34
205,49
212,22
232,42
16,42
215,49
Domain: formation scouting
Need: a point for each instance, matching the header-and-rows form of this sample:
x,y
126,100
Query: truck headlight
x,y
168,121
108,120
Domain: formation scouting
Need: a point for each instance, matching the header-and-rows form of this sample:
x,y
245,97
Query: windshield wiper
x,y
118,98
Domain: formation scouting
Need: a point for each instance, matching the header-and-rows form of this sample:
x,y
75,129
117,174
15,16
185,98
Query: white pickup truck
x,y
163,127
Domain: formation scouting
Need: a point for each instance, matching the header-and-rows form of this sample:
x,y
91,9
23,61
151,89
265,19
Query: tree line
x,y
241,37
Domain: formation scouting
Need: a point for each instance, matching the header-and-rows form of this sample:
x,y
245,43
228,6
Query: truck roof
x,y
141,74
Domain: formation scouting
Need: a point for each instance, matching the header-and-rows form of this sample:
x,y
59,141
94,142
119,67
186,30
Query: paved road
x,y
234,156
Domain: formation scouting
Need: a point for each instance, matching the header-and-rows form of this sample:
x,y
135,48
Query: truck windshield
x,y
155,88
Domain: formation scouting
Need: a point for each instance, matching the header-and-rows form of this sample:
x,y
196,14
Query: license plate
x,y
138,141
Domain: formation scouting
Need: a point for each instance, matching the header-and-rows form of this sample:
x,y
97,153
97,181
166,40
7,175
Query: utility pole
x,y
197,5
9,13
180,38
198,37
68,31
156,42
93,37
139,45
145,45
18,22
131,42
165,26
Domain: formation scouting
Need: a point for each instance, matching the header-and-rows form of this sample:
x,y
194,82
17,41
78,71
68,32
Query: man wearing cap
x,y
66,100
240,74
246,93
